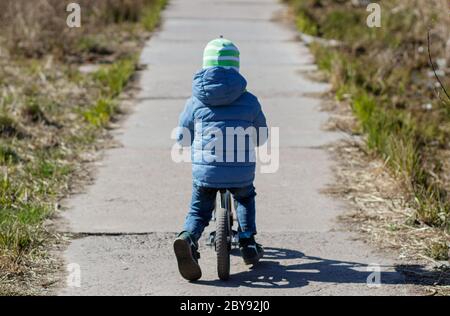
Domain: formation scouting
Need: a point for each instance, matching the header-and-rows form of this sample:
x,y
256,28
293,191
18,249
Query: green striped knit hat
x,y
221,53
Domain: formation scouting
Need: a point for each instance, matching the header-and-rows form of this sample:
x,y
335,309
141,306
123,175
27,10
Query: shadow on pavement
x,y
269,273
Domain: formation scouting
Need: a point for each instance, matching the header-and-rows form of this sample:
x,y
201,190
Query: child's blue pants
x,y
202,206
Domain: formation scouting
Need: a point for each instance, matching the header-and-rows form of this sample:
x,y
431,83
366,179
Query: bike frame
x,y
225,200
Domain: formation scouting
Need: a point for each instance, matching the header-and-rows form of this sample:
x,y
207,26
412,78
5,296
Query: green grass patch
x,y
439,251
305,25
151,15
324,57
33,111
8,155
8,126
100,114
49,168
20,218
343,24
19,238
113,78
93,44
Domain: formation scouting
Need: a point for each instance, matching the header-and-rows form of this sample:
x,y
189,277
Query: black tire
x,y
222,244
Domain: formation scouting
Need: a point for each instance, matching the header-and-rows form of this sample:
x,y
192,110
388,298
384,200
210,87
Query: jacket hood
x,y
217,86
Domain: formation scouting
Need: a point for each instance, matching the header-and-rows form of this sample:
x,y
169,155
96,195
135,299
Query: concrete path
x,y
131,214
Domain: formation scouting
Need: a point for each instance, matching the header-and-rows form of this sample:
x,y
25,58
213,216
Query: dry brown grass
x,y
385,74
395,167
37,28
53,115
379,208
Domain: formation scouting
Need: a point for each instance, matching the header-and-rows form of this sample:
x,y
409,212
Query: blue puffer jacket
x,y
220,100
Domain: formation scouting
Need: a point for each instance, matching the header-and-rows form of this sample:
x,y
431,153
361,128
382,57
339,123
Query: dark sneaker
x,y
250,250
187,256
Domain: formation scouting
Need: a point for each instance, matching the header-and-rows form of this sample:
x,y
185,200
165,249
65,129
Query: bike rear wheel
x,y
222,243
